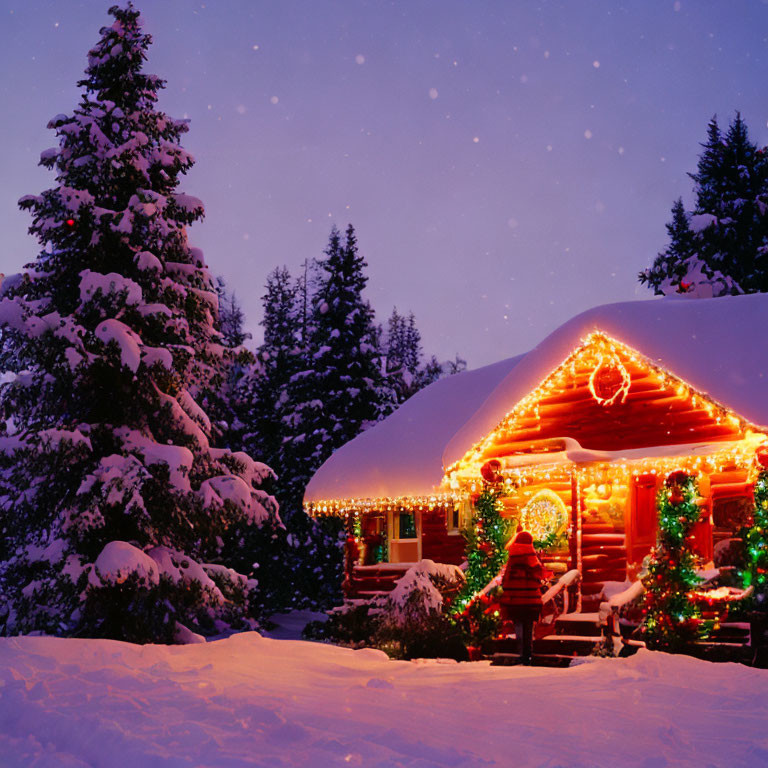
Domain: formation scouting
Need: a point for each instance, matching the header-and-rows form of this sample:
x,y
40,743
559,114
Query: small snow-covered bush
x,y
411,623
421,591
408,623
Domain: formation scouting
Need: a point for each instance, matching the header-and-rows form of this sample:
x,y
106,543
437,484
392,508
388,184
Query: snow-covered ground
x,y
251,700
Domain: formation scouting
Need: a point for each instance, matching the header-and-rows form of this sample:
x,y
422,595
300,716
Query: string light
x,y
591,353
521,471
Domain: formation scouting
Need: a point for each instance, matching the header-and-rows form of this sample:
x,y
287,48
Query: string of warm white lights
x,y
597,350
344,507
597,346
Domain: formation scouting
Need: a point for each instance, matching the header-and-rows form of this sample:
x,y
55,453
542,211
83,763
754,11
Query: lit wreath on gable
x,y
609,381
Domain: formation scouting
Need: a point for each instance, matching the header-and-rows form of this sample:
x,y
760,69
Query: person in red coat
x,y
521,596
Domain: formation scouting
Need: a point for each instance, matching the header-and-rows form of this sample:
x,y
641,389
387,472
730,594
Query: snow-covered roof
x,y
402,455
719,346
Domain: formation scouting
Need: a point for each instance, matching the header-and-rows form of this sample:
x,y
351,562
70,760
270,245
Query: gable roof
x,y
719,346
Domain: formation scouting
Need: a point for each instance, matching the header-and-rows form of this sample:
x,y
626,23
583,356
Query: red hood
x,y
521,549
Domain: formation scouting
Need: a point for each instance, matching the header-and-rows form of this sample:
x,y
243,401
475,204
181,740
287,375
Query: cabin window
x,y
457,516
406,526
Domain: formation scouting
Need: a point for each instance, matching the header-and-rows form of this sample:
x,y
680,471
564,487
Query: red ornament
x,y
491,471
70,222
677,478
676,496
761,456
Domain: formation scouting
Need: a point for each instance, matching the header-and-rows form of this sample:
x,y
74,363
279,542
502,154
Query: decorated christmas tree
x,y
671,618
755,539
118,518
486,537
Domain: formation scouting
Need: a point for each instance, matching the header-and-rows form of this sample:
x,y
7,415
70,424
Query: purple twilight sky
x,y
506,164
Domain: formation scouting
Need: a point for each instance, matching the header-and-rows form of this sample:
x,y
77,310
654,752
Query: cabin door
x,y
643,518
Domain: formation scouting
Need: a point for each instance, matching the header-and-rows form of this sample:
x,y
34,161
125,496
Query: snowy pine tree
x,y
722,247
339,388
118,518
264,387
406,370
231,317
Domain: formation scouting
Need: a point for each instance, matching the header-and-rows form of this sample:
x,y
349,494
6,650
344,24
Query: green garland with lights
x,y
485,537
755,538
672,620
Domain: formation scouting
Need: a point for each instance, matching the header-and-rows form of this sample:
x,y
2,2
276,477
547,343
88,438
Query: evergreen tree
x,y
265,383
403,350
306,555
672,263
231,317
338,388
722,247
407,372
755,539
118,518
672,620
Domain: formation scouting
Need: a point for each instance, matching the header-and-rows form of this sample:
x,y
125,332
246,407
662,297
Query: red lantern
x,y
70,222
761,455
491,471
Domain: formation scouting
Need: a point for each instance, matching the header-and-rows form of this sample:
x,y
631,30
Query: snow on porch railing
x,y
552,604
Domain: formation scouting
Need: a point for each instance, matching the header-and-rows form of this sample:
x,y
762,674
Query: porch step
x,y
582,624
551,645
368,581
598,548
731,632
590,528
512,659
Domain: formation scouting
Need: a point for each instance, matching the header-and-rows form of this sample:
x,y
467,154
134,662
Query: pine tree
x,y
306,554
231,317
118,519
403,349
672,263
407,372
265,383
338,389
722,247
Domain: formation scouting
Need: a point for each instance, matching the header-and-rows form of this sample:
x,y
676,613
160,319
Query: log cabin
x,y
582,431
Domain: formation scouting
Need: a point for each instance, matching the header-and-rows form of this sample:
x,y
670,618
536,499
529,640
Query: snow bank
x,y
253,701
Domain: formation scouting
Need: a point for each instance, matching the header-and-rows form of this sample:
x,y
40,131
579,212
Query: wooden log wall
x,y
436,543
652,414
